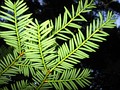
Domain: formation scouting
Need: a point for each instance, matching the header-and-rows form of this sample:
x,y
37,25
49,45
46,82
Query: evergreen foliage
x,y
36,53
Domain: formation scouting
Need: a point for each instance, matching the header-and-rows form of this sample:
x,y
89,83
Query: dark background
x,y
105,62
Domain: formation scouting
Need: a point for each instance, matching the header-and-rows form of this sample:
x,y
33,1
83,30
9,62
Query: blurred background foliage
x,y
105,63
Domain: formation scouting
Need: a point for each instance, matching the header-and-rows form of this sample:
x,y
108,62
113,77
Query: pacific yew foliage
x,y
36,53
